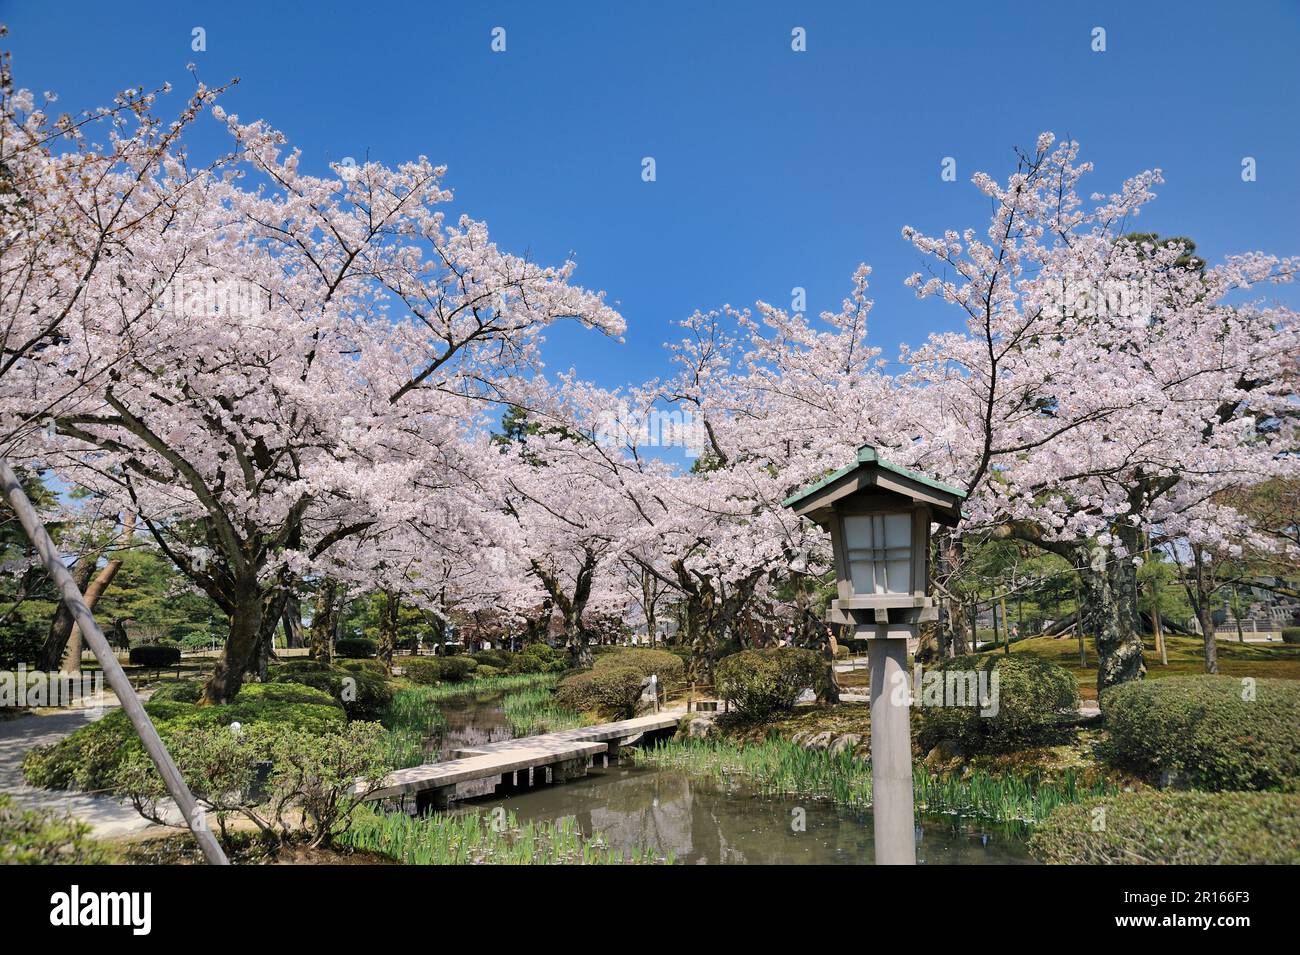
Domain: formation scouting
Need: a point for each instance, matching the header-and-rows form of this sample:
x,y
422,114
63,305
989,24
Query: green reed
x,y
778,767
487,838
534,710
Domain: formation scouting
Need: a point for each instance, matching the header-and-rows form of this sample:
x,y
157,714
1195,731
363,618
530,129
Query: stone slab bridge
x,y
564,755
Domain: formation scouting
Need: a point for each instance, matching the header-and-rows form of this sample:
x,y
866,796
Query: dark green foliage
x,y
31,837
155,655
1206,731
1291,634
88,758
364,692
501,659
762,683
611,691
1173,828
667,666
357,648
430,670
538,658
1029,698
20,641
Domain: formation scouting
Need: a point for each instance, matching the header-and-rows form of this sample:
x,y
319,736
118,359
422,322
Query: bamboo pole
x,y
113,671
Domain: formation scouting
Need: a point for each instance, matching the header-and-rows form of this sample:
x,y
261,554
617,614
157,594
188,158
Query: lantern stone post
x,y
879,516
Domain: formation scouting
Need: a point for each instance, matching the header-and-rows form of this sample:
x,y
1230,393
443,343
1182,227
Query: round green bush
x,y
357,648
667,666
430,670
1028,699
762,683
1291,634
485,671
501,659
155,655
610,691
364,692
1207,732
538,658
1173,828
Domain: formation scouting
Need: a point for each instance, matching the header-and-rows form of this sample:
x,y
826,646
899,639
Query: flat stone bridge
x,y
521,762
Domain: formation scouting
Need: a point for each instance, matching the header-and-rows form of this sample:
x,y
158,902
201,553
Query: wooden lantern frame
x,y
871,486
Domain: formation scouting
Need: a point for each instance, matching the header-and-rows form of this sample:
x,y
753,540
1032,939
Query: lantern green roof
x,y
869,457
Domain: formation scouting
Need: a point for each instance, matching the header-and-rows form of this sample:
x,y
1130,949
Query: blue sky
x,y
775,169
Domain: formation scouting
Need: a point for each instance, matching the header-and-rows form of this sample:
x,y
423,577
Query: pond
x,y
704,822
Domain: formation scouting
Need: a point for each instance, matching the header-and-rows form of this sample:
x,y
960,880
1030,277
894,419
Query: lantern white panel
x,y
879,552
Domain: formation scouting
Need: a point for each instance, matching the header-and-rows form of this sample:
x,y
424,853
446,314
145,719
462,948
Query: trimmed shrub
x,y
89,757
501,659
309,793
538,658
356,648
1029,698
761,683
155,655
35,837
377,667
485,671
1198,731
1173,828
610,691
667,666
430,670
364,693
1291,634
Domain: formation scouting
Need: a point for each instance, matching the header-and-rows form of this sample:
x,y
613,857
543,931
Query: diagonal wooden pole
x,y
113,671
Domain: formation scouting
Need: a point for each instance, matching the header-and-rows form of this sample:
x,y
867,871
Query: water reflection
x,y
704,823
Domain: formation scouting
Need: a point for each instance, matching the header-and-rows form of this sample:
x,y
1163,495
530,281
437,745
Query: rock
x,y
699,728
848,741
818,741
945,751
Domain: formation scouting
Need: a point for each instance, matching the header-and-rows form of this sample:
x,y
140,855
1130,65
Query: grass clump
x,y
486,839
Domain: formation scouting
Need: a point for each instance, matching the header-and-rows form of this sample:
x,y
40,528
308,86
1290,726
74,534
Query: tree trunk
x,y
324,621
51,655
388,624
1107,602
1205,617
292,619
72,655
246,633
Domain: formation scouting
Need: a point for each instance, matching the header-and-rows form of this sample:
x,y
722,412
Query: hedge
x,y
611,691
1033,696
1207,732
357,648
430,670
1291,634
364,692
89,757
761,683
155,656
538,658
668,667
1173,828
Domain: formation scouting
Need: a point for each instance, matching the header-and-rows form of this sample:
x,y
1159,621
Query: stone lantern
x,y
879,517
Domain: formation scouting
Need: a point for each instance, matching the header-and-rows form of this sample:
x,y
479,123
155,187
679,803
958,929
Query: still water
x,y
703,822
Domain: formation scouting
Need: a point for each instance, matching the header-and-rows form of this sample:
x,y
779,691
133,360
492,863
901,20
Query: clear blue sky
x,y
775,169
